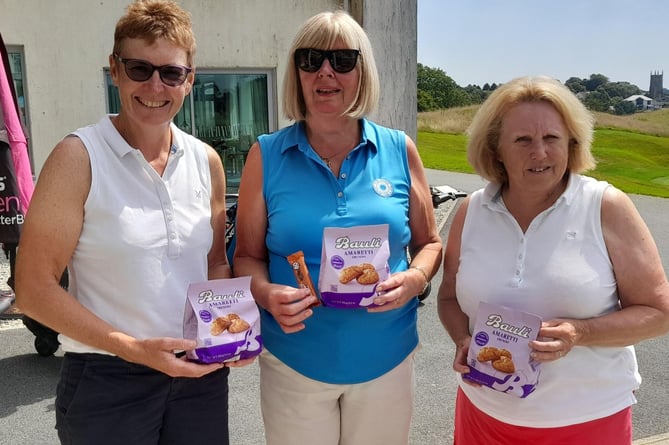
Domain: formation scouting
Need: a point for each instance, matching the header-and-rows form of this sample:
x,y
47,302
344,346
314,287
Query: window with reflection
x,y
17,69
226,110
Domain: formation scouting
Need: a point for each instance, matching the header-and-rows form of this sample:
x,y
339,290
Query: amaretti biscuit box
x,y
223,318
354,260
499,353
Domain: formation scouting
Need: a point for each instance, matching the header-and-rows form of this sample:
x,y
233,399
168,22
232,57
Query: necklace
x,y
326,160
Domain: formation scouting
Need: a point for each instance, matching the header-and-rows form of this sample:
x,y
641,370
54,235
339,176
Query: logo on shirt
x,y
383,187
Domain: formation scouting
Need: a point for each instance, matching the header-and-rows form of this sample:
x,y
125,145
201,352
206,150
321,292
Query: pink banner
x,y
17,139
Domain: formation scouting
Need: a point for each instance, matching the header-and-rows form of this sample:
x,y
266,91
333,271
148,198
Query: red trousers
x,y
474,427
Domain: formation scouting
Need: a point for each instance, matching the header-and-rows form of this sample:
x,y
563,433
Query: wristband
x,y
427,280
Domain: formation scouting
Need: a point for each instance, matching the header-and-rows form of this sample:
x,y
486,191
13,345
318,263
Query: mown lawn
x,y
633,162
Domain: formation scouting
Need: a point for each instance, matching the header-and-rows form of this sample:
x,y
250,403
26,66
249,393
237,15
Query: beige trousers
x,y
300,411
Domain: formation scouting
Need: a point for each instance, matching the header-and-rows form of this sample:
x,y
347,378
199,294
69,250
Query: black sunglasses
x,y
140,71
311,59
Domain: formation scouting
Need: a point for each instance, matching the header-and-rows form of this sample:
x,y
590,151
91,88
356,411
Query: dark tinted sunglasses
x,y
141,71
311,60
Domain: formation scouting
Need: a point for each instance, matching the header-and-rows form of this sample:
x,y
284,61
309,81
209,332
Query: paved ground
x,y
27,381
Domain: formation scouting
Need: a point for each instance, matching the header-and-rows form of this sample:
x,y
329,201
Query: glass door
x,y
226,110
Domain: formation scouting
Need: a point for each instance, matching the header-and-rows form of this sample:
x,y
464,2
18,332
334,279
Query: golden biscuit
x,y
238,325
490,353
219,325
505,352
232,316
349,273
368,276
487,354
504,364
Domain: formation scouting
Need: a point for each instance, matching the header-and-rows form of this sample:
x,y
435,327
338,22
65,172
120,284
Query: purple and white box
x,y
499,353
223,318
354,260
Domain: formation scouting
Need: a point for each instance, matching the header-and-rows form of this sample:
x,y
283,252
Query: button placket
x,y
520,262
160,185
341,184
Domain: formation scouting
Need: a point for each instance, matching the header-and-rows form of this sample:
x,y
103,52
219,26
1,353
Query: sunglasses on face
x,y
311,60
140,71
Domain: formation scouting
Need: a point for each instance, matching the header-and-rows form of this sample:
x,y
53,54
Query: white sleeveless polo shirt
x,y
558,268
144,238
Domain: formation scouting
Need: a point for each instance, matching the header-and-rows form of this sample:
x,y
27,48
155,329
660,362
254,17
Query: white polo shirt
x,y
558,268
144,238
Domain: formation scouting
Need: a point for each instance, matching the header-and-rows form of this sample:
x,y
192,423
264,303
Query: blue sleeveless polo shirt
x,y
302,195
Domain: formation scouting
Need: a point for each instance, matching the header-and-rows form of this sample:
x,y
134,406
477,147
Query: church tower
x,y
656,89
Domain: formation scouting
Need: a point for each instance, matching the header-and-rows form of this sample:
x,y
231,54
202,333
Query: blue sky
x,y
479,41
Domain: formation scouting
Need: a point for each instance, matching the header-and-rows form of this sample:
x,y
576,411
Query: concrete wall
x,y
67,42
391,26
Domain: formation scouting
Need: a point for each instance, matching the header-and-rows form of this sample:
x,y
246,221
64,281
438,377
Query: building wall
x,y
394,39
67,43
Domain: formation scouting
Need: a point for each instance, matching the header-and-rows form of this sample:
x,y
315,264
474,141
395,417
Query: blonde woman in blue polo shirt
x,y
334,376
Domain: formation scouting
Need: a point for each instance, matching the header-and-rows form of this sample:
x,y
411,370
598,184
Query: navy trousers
x,y
105,400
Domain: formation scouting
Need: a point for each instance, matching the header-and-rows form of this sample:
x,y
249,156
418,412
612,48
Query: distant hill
x,y
456,120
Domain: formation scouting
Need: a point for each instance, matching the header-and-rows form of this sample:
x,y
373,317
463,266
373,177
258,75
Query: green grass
x,y
634,162
443,151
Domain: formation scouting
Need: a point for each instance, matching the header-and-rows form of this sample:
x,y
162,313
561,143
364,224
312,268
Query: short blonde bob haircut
x,y
324,31
484,131
151,20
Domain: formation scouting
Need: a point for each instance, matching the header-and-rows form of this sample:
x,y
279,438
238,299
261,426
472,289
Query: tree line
x,y
436,90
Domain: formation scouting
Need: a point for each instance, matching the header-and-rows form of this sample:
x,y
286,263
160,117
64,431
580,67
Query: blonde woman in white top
x,y
135,208
544,239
